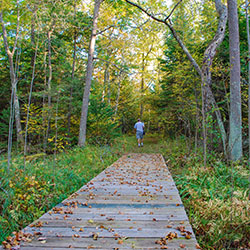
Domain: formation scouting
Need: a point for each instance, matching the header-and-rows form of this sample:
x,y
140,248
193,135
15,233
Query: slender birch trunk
x,y
248,43
106,83
44,98
142,85
56,124
85,101
13,76
118,93
29,103
72,76
49,84
235,137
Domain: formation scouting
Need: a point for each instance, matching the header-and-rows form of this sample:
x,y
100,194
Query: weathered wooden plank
x,y
109,243
134,217
113,224
125,199
138,232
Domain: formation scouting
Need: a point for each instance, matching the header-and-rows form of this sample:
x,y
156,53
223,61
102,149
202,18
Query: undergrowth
x,y
215,198
26,194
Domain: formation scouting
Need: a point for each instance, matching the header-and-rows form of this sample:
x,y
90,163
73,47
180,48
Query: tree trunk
x,y
29,103
118,94
248,43
142,86
85,102
205,73
44,97
49,84
106,83
235,136
72,76
13,77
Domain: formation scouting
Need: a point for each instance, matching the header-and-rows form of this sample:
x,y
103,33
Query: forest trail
x,y
130,205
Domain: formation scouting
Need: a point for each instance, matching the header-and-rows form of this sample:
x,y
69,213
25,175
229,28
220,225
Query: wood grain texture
x,y
131,205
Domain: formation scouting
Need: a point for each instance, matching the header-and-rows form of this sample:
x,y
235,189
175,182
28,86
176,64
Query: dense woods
x,y
82,72
127,62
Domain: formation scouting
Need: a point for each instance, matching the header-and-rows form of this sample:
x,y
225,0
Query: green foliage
x,y
215,198
102,125
4,124
26,194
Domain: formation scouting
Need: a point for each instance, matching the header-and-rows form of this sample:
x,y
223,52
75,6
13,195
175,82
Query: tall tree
x,y
85,101
235,136
14,79
204,72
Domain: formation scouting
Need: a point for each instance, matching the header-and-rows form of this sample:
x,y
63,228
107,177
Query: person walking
x,y
139,127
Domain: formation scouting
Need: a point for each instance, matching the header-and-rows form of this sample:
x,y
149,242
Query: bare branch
x,y
17,29
172,11
185,50
102,31
178,39
146,12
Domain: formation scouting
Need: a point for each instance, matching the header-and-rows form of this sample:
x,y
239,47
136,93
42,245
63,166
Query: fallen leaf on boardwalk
x,y
139,229
89,247
120,241
94,236
76,236
38,224
90,221
188,236
181,228
171,236
164,247
182,246
197,246
37,233
168,226
109,219
81,230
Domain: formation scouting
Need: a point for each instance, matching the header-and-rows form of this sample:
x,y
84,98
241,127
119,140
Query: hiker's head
x,y
139,120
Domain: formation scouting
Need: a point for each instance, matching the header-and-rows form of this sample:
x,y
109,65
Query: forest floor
x,y
215,198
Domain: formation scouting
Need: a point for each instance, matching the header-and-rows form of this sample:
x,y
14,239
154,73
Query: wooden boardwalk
x,y
133,204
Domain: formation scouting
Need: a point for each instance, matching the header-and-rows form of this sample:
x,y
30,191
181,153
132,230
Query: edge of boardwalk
x,y
132,204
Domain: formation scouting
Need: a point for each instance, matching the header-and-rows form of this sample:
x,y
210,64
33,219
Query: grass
x,y
215,198
26,194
